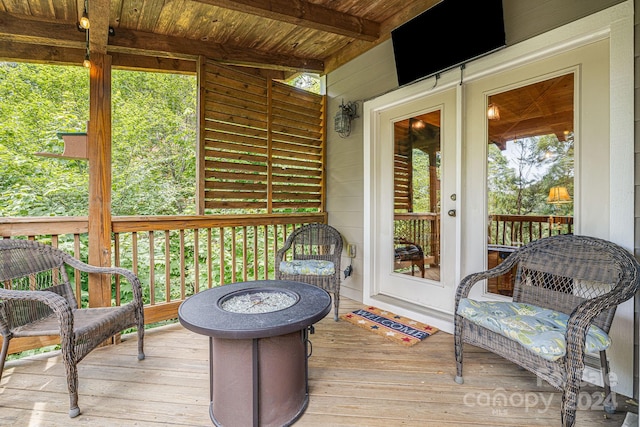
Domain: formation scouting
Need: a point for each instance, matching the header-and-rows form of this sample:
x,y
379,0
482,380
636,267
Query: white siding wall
x,y
367,76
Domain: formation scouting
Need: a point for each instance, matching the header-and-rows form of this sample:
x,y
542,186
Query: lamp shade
x,y
558,195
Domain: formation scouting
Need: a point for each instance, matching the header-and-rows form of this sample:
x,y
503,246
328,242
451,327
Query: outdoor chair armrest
x,y
57,303
469,281
582,318
133,280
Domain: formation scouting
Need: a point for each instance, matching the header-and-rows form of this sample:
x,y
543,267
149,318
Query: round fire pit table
x,y
258,348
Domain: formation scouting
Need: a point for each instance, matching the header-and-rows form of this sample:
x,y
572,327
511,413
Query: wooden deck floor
x,y
356,378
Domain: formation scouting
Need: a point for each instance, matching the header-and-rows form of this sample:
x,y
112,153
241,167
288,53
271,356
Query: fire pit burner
x,y
258,348
264,301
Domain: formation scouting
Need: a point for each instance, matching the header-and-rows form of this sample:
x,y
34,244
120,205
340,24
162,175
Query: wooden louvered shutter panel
x,y
264,144
235,140
297,149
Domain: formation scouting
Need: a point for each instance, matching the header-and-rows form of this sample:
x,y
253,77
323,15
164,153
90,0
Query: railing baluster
x,y
183,268
209,259
196,263
255,252
221,257
233,254
167,265
152,272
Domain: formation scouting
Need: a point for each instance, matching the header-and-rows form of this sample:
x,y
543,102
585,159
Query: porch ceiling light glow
x,y
493,112
87,60
84,20
558,196
342,121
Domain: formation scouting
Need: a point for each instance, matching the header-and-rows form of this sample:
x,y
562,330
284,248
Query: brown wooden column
x,y
99,153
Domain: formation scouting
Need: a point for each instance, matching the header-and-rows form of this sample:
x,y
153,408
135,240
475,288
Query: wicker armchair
x,y
312,242
36,299
583,277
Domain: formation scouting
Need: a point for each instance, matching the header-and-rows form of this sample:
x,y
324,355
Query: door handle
x,y
452,212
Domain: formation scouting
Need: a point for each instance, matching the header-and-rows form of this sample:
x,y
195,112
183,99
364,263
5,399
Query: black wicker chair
x,y
37,299
582,277
313,242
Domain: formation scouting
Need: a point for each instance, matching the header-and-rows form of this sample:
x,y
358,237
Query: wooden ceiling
x,y
543,108
289,35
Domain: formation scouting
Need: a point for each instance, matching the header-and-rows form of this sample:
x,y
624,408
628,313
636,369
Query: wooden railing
x,y
174,256
503,230
517,230
422,229
177,256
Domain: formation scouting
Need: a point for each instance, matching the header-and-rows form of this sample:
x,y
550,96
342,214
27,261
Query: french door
x,y
415,256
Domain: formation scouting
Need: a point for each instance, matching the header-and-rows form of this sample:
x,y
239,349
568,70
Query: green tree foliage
x,y
153,137
37,102
519,184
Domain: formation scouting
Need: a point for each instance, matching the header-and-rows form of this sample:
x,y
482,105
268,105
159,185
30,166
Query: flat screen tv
x,y
445,36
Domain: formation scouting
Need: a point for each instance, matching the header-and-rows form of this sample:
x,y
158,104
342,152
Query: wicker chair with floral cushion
x,y
567,288
311,254
37,299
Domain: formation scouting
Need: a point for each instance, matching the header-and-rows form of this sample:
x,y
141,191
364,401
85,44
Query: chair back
x,y
314,241
560,272
30,266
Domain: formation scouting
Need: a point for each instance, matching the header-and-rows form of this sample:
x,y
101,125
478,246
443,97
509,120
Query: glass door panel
x,y
530,166
416,196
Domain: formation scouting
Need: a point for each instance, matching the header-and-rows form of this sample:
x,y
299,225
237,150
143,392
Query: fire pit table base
x,y
258,348
273,392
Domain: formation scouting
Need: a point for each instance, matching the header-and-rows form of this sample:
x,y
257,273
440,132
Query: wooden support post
x,y
99,154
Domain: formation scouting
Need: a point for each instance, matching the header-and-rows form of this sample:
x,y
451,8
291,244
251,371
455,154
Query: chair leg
x,y
3,354
570,393
609,403
336,303
141,338
71,369
457,339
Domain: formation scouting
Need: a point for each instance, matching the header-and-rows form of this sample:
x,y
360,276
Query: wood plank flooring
x,y
356,378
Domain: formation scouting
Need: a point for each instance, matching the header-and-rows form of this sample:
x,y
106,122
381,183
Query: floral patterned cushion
x,y
316,267
539,329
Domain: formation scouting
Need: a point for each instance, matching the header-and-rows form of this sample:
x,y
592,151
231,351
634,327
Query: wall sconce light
x,y
343,118
493,112
558,196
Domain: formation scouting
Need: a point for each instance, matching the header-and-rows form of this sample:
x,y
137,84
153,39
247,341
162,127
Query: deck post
x,y
99,154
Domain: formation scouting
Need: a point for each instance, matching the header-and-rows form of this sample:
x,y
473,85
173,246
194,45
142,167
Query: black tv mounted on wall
x,y
445,36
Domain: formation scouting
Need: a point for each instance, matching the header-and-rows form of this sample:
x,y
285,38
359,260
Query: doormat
x,y
397,328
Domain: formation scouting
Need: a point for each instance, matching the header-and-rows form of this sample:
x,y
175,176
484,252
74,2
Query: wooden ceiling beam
x,y
139,42
25,52
54,36
40,32
304,14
